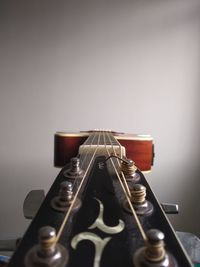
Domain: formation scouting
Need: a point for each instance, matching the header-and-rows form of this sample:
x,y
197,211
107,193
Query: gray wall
x,y
131,66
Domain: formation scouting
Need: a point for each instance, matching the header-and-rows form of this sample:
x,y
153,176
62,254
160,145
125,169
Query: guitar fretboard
x,y
101,138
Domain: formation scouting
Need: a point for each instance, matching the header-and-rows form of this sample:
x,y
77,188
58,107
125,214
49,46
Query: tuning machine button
x,y
138,200
65,198
32,203
153,254
170,208
47,253
75,170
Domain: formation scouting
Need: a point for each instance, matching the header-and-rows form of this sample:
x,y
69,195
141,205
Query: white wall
x,y
131,66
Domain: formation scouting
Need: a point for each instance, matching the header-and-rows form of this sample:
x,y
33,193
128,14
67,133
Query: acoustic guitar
x,y
100,210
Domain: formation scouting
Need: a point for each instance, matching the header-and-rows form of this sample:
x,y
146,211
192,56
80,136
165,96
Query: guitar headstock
x,y
100,212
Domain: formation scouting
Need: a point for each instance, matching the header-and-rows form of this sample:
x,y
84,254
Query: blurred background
x,y
69,65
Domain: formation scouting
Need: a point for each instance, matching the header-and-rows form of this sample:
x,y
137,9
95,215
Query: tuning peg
x,y
138,200
32,203
170,208
153,253
65,197
75,170
48,252
129,170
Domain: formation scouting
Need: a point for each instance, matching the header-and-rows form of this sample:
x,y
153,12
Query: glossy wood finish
x,y
140,151
138,148
66,147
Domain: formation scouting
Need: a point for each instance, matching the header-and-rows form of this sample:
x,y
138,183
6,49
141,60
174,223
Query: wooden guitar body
x,y
139,148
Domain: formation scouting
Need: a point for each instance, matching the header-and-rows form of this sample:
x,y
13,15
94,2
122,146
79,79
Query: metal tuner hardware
x,y
138,200
129,170
47,253
65,198
32,203
170,208
75,170
153,254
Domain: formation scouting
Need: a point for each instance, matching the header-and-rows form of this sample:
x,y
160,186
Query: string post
x,y
129,170
47,253
75,170
138,194
153,253
155,250
47,238
66,194
138,201
65,198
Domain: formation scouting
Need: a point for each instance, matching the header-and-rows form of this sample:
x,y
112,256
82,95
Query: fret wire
x,y
129,202
75,196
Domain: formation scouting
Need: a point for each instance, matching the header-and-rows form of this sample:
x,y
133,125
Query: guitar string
x,y
84,156
76,194
128,199
119,178
123,176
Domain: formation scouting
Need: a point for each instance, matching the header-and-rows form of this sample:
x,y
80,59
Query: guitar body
x,y
139,148
93,215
